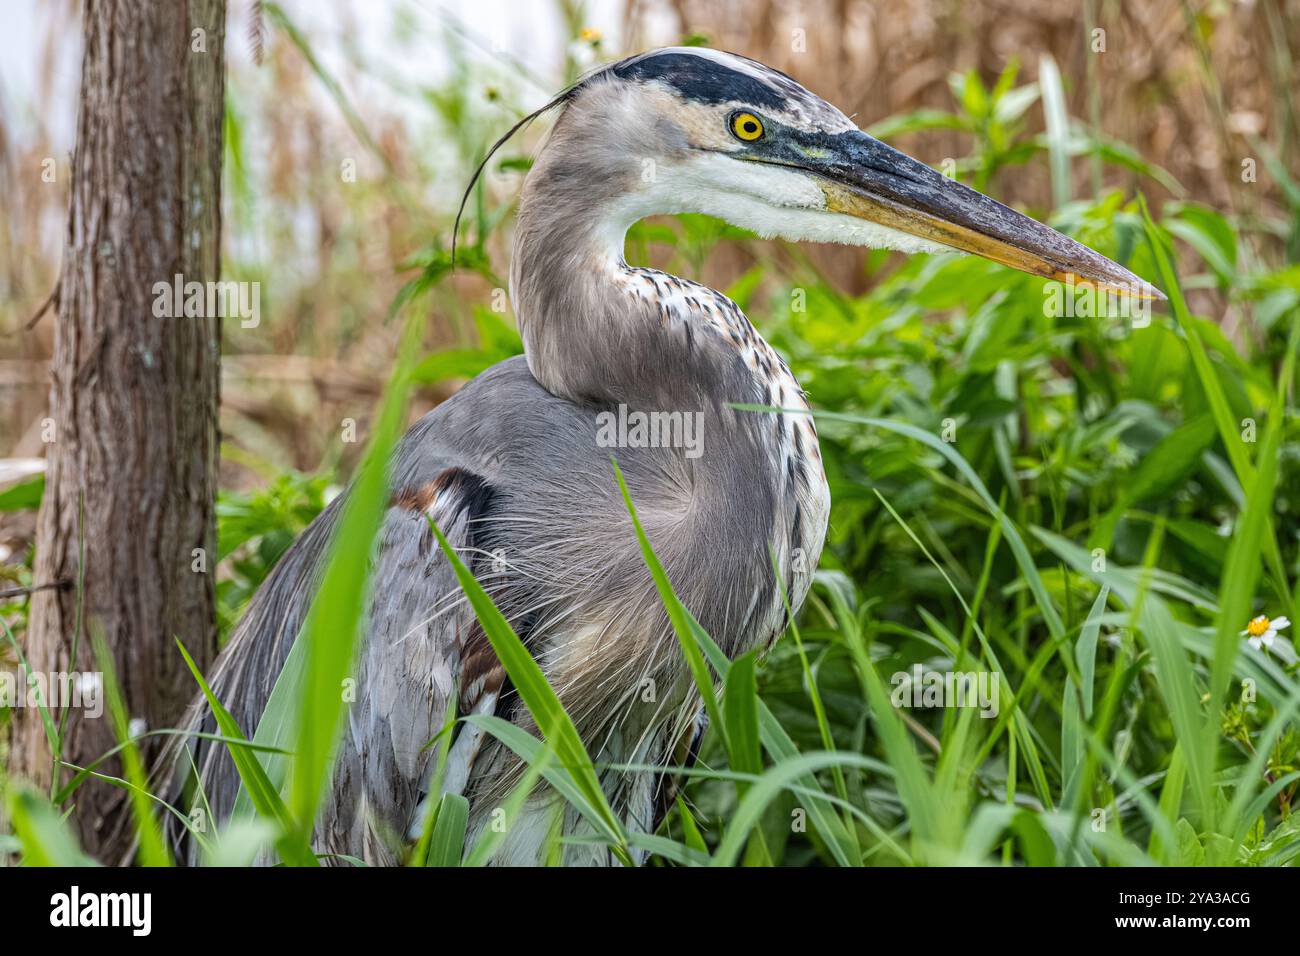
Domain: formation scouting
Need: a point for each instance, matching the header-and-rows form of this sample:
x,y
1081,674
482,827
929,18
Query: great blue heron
x,y
515,470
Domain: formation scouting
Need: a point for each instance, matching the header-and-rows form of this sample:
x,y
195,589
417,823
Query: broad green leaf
x,y
449,831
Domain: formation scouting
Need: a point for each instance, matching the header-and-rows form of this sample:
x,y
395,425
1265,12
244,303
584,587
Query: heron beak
x,y
863,177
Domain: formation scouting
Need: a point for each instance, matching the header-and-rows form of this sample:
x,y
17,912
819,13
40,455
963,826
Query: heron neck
x,y
599,332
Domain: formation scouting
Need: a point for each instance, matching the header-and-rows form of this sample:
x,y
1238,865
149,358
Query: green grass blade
x,y
83,773
810,683
1019,721
915,788
678,616
697,645
1077,705
44,836
1241,574
1171,802
1085,649
1033,579
332,630
1058,129
448,841
777,778
47,720
1214,394
143,793
740,711
277,729
537,765
542,702
681,854
443,740
779,746
152,847
266,799
690,829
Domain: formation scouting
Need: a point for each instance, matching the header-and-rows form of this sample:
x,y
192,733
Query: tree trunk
x,y
131,464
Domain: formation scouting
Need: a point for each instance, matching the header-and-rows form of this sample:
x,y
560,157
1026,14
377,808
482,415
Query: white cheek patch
x,y
771,201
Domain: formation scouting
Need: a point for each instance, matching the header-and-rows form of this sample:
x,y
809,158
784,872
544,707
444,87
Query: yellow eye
x,y
747,126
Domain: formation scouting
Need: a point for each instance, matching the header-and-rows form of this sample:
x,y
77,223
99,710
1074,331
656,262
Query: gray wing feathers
x,y
409,665
408,671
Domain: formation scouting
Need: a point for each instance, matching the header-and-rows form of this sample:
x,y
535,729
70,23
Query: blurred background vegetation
x,y
344,167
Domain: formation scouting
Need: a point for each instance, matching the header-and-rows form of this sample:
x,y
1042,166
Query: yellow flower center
x,y
1258,626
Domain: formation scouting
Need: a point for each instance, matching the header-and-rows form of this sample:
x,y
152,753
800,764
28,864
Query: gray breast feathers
x,y
517,481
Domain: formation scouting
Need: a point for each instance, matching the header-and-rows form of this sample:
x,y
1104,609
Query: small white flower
x,y
136,727
582,54
1261,632
583,50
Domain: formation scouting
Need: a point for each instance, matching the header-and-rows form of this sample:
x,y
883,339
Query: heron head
x,y
695,130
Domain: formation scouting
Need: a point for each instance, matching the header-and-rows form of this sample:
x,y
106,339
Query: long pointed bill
x,y
863,177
